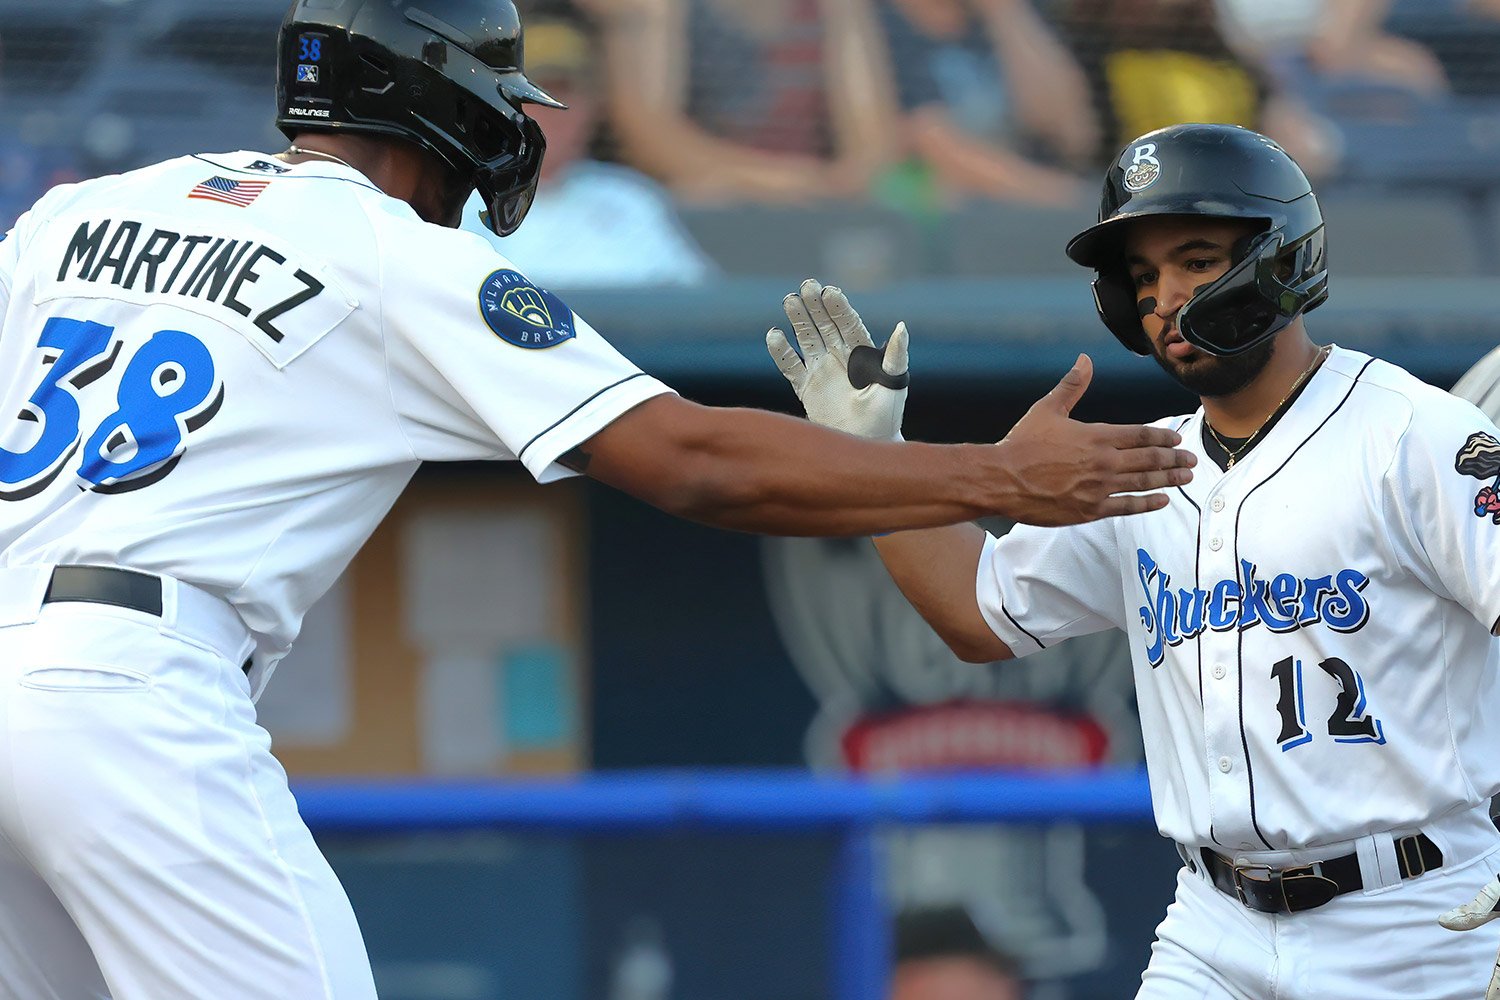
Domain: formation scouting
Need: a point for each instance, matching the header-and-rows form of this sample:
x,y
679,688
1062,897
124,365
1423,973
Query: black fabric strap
x,y
1288,890
122,588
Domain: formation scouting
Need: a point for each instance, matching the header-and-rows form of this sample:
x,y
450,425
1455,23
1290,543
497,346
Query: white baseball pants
x,y
149,846
1381,943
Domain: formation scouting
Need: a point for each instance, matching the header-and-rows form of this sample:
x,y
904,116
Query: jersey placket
x,y
1227,767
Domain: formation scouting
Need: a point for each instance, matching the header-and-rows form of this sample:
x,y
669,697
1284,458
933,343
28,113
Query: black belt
x,y
1287,890
123,588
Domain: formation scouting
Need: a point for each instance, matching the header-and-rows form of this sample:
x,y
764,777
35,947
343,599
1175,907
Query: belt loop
x,y
1377,861
170,603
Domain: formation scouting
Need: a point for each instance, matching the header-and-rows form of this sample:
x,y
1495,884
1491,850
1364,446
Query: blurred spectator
x,y
27,170
1334,40
1153,63
771,100
992,101
593,224
940,955
1464,36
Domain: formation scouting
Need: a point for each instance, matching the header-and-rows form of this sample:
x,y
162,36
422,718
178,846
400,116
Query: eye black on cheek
x,y
1146,306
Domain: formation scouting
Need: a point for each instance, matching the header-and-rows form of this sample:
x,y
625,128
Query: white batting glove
x,y
843,379
1476,913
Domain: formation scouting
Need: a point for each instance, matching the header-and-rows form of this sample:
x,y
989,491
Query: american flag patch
x,y
240,193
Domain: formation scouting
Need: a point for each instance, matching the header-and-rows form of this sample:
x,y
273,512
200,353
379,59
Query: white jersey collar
x,y
268,165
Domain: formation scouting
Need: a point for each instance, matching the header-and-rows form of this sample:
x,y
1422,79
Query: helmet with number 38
x,y
444,74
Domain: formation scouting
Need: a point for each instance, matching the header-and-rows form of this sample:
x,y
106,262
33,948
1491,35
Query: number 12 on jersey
x,y
169,388
1348,724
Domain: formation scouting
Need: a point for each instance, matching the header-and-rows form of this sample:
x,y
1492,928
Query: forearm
x,y
751,470
936,570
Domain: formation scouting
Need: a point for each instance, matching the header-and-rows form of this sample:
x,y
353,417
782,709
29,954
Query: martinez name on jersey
x,y
160,262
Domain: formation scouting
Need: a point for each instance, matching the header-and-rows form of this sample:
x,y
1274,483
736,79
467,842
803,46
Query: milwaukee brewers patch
x,y
1480,458
522,314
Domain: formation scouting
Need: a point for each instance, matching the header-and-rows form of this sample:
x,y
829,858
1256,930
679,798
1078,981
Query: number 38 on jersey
x,y
167,389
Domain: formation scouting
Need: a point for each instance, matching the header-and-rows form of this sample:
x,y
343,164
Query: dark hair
x,y
947,932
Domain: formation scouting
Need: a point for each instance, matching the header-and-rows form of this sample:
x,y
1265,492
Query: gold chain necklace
x,y
1245,444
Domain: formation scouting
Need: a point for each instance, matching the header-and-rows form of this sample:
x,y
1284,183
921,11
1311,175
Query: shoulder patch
x,y
522,314
1480,458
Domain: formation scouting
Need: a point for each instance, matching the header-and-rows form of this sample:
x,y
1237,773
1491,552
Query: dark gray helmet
x,y
1222,171
445,74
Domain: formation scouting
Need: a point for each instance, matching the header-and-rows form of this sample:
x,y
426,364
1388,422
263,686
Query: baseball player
x,y
1309,619
1480,385
221,371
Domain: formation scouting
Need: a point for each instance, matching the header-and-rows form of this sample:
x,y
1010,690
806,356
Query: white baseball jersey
x,y
225,369
1310,630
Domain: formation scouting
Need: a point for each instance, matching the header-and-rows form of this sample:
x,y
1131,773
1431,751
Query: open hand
x,y
1064,471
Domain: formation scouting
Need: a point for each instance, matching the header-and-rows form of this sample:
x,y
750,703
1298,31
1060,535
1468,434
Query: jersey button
x,y
1224,764
1217,503
1218,671
1216,543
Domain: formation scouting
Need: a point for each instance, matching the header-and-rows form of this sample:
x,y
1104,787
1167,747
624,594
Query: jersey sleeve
x,y
1441,505
485,363
1039,586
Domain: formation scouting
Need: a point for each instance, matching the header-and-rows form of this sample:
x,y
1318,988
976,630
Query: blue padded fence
x,y
851,808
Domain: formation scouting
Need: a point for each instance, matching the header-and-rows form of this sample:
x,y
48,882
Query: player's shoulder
x,y
421,251
1385,394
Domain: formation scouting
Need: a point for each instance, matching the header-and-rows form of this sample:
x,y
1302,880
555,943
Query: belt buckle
x,y
1273,877
1410,849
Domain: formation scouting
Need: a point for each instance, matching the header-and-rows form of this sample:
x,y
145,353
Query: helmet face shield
x,y
508,184
1253,300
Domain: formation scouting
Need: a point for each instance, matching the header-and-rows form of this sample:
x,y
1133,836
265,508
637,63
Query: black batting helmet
x,y
1222,171
445,74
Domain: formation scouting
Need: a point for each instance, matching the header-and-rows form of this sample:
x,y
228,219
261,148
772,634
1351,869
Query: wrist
x,y
995,481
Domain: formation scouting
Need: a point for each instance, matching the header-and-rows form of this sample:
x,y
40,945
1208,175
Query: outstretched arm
x,y
758,471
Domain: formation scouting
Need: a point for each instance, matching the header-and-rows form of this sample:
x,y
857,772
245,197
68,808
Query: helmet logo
x,y
1144,168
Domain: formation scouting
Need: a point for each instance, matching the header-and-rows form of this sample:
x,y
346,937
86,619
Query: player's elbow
x,y
965,632
975,648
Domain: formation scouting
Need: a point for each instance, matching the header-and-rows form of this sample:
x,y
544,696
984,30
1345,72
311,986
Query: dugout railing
x,y
848,808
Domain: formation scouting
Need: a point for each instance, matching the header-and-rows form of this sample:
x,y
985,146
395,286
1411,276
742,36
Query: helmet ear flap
x,y
1114,297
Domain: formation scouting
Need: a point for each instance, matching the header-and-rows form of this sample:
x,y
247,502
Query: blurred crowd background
x,y
911,119
934,156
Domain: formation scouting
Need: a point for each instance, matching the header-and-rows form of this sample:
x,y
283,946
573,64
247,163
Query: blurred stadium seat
x,y
861,244
991,239
1387,234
